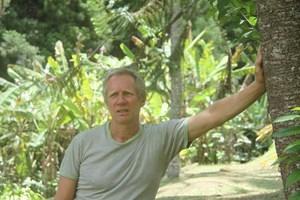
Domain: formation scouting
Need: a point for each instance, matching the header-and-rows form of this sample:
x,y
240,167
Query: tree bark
x,y
279,22
177,31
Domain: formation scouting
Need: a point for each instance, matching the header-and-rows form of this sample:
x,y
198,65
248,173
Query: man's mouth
x,y
122,111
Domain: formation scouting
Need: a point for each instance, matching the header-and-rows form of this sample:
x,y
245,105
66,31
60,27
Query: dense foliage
x,y
48,96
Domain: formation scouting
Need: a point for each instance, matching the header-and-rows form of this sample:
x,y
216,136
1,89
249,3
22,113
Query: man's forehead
x,y
117,83
121,76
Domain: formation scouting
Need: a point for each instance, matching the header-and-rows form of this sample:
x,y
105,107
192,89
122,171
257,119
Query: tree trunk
x,y
279,22
176,33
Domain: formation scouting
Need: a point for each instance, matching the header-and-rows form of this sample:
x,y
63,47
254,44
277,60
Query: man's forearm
x,y
230,106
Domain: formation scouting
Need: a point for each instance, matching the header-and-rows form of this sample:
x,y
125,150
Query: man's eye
x,y
113,95
128,94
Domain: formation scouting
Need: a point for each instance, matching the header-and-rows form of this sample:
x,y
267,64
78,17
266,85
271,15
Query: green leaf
x,y
294,196
26,73
293,148
7,94
86,87
252,20
23,113
6,83
293,177
196,39
37,139
292,159
155,104
244,71
53,66
287,132
83,124
69,105
127,51
286,118
296,109
214,73
13,74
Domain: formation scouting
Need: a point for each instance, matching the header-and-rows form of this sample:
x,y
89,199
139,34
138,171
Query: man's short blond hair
x,y
139,82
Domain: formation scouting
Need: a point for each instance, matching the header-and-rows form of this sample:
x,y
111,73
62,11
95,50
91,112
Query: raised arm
x,y
228,107
66,189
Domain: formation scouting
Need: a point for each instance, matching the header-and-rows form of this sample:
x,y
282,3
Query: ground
x,y
256,180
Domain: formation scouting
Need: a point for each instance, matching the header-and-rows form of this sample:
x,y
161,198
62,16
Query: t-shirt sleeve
x,y
174,136
71,162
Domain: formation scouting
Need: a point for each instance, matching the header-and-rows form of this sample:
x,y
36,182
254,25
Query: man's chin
x,y
123,120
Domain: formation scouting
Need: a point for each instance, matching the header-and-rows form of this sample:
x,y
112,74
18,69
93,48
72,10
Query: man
x,y
123,159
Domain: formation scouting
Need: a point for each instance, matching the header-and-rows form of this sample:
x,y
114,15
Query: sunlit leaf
x,y
13,74
264,133
86,87
252,20
76,60
37,139
83,124
53,66
296,109
6,83
155,104
7,94
127,51
69,105
26,73
199,36
244,71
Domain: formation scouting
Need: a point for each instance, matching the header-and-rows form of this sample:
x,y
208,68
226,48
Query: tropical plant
x,y
43,109
13,191
291,153
235,140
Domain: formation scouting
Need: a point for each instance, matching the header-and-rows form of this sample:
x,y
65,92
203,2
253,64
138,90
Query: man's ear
x,y
143,101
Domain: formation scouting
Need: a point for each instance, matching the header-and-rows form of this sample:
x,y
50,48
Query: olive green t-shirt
x,y
106,169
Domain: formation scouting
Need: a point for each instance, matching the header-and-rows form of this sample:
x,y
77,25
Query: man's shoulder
x,y
159,127
165,123
91,134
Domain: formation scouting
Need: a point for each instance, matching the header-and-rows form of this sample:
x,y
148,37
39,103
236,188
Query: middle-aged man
x,y
125,160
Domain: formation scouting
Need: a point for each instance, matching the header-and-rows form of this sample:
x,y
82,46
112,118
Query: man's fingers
x,y
259,61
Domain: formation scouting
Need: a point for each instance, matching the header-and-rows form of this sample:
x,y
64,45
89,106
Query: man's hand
x,y
259,71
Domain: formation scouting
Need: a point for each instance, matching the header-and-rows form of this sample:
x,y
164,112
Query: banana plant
x,y
43,108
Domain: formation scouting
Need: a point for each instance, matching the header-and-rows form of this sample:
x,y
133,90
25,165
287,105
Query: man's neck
x,y
123,132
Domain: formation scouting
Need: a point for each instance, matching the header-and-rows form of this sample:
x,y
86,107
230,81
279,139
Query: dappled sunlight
x,y
254,180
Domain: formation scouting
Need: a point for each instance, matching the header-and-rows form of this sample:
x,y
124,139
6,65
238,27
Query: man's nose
x,y
121,99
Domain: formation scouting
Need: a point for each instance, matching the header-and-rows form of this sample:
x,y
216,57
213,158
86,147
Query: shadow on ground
x,y
278,195
256,180
252,181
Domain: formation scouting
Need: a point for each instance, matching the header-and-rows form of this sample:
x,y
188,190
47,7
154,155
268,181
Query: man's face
x,y
123,101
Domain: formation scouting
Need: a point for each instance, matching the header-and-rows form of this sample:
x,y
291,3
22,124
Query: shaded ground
x,y
253,181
